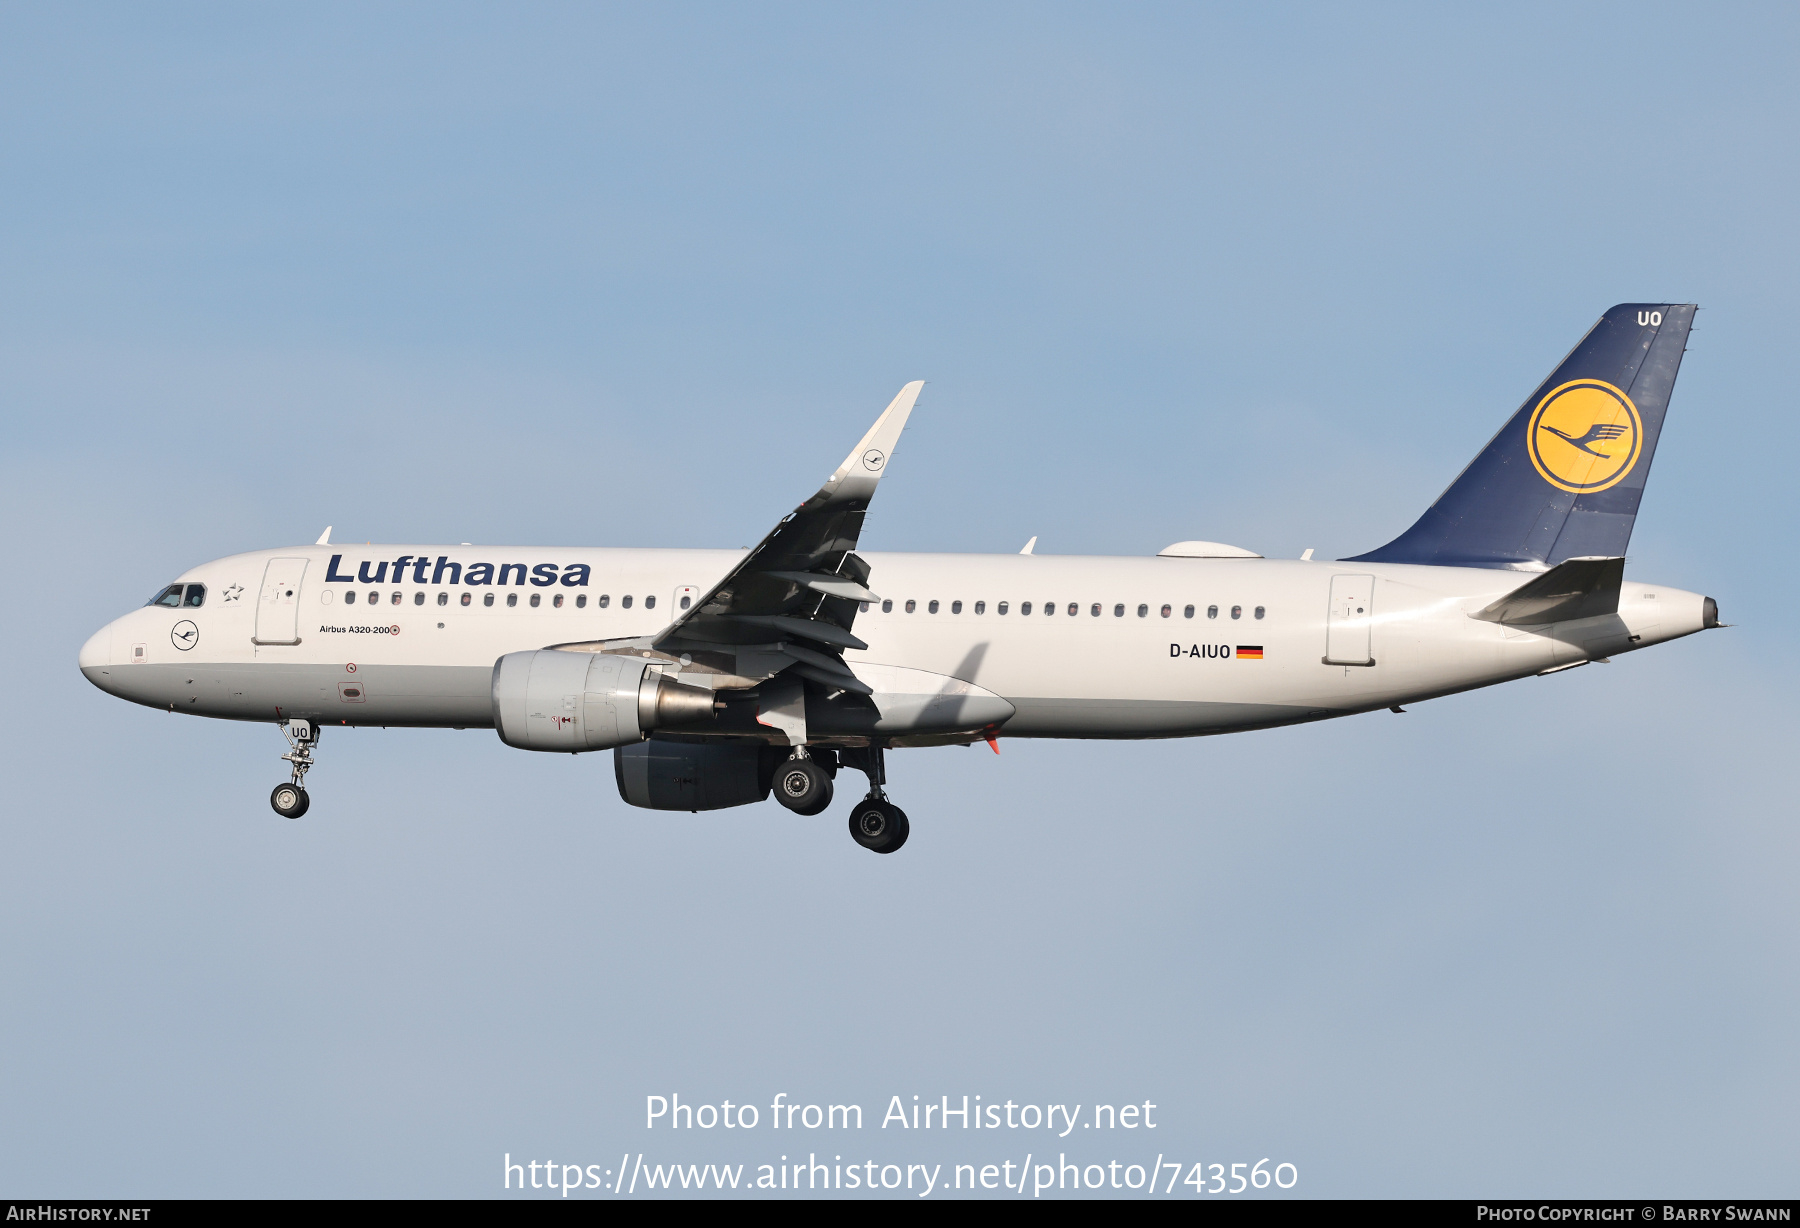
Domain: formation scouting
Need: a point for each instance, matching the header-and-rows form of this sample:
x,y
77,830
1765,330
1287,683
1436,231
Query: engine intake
x,y
575,701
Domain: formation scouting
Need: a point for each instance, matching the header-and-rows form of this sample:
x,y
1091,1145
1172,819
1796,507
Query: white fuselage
x,y
421,650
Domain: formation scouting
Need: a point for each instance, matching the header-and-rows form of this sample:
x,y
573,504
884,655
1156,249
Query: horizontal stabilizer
x,y
1579,588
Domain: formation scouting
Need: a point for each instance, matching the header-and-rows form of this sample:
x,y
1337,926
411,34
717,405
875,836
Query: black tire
x,y
802,786
880,827
289,801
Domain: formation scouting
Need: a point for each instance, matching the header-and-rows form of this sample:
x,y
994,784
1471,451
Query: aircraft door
x,y
1349,620
685,597
278,608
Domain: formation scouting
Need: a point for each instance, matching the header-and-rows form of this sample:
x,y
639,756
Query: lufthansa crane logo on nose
x,y
873,459
1585,436
184,634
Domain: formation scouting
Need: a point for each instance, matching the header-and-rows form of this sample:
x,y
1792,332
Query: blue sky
x,y
615,276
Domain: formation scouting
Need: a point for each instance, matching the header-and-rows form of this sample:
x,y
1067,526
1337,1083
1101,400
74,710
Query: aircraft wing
x,y
799,588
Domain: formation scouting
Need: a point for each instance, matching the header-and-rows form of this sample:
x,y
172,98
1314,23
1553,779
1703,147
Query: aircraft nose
x,y
96,658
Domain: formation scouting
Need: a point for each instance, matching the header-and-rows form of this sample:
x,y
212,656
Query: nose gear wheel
x,y
290,800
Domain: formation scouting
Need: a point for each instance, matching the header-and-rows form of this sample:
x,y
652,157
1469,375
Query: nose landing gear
x,y
290,800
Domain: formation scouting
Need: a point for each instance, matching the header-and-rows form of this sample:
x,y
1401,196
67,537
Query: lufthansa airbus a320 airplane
x,y
716,676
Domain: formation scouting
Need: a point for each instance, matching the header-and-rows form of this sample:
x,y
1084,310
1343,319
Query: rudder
x,y
1564,476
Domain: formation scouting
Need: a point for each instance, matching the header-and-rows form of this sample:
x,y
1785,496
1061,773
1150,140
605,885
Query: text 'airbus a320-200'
x,y
718,676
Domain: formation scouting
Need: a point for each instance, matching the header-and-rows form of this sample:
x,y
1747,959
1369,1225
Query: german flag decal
x,y
1249,652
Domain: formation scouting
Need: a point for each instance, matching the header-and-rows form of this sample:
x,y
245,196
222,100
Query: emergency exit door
x,y
1349,620
278,606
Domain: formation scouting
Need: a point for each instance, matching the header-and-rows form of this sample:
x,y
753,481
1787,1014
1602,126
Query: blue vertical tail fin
x,y
1563,477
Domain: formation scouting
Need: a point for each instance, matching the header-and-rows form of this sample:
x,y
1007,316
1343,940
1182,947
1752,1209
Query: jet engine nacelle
x,y
665,775
576,701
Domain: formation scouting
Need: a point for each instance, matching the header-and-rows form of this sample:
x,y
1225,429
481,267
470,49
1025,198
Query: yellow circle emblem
x,y
1585,436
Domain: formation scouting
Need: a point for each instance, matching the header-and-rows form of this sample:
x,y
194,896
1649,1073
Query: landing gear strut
x,y
876,823
290,800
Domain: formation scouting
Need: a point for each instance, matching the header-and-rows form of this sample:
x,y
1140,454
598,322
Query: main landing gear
x,y
876,823
290,800
804,785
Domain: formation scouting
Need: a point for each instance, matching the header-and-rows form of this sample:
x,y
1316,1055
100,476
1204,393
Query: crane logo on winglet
x,y
1585,436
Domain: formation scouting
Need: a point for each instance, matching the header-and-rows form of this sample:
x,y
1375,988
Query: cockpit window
x,y
196,596
170,597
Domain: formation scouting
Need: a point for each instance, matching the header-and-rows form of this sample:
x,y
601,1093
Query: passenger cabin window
x,y
537,599
396,600
650,602
887,607
350,597
467,598
557,601
512,599
1259,611
862,607
911,605
1187,612
1237,611
1095,610
1212,611
981,607
1001,608
1119,610
418,598
581,601
932,608
444,598
487,599
1143,610
605,600
196,596
1024,607
1167,610
625,602
956,607
170,597
1074,608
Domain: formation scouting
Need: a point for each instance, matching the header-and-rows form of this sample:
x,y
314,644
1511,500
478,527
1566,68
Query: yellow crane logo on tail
x,y
1584,436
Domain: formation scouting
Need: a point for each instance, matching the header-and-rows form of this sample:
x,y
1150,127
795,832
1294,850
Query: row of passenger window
x,y
373,597
175,599
1074,608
